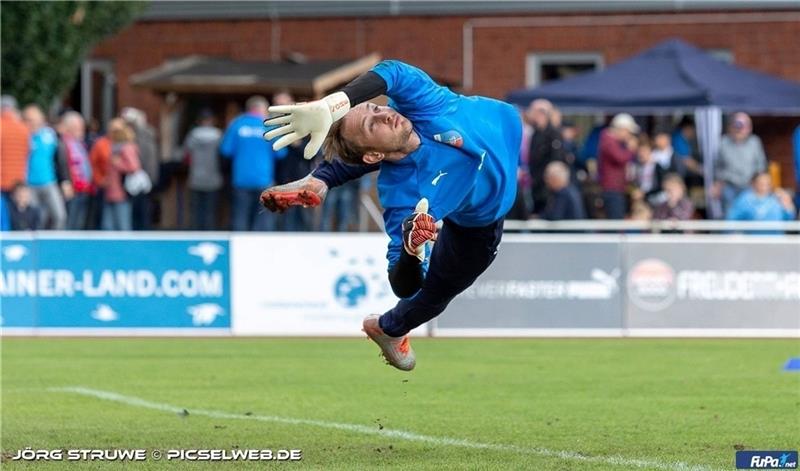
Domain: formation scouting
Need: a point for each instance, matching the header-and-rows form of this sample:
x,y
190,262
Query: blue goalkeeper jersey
x,y
466,164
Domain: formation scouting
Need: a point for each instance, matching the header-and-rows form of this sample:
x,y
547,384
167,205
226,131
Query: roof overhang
x,y
201,74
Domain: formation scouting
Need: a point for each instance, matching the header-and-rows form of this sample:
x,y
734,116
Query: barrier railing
x,y
594,225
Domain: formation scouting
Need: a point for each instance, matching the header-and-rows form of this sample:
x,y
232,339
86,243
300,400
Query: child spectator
x,y
676,206
25,215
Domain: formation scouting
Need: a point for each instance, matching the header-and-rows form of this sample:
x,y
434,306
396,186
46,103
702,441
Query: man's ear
x,y
372,157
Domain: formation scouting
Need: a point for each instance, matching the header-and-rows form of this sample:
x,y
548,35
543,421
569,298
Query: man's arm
x,y
760,157
337,173
610,147
411,89
228,145
315,118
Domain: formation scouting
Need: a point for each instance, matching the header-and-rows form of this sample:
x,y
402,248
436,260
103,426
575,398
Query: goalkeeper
x,y
442,157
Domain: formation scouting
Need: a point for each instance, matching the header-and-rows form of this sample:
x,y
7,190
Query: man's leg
x,y
329,209
196,208
210,215
614,203
36,200
459,256
261,220
124,211
729,194
239,210
52,203
107,222
5,213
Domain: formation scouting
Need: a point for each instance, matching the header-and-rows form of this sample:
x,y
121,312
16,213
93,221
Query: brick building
x,y
486,48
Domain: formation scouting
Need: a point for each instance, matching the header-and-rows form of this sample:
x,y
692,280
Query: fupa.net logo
x,y
766,460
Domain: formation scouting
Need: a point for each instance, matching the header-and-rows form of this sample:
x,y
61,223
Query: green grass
x,y
664,401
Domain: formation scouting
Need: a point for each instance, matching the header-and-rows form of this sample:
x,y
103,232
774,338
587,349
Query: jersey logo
x,y
435,181
483,156
452,138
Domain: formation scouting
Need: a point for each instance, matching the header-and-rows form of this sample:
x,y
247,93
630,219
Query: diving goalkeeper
x,y
441,156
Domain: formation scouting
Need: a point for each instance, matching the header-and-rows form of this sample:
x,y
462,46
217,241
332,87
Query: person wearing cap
x,y
618,145
741,156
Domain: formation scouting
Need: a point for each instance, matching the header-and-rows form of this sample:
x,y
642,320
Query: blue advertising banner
x,y
115,283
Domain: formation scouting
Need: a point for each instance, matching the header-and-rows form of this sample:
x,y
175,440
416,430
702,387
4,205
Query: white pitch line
x,y
385,432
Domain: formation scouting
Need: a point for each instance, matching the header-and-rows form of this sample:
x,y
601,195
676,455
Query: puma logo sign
x,y
436,180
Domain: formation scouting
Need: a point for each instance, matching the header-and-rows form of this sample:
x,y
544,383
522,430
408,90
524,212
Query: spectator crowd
x,y
622,172
59,176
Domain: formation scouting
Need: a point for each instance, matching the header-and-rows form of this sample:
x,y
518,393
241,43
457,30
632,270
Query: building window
x,y
544,67
722,55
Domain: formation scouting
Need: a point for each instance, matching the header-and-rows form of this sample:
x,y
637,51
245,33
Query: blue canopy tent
x,y
672,76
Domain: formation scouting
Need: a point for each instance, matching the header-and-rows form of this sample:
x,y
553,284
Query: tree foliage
x,y
43,43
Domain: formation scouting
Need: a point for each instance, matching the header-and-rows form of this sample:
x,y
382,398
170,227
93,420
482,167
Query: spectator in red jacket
x,y
618,144
124,160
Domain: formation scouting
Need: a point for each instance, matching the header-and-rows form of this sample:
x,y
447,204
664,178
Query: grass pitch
x,y
475,404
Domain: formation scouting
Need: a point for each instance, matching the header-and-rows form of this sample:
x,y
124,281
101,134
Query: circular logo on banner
x,y
651,285
350,290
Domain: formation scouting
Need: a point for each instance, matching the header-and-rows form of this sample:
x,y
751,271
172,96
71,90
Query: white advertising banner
x,y
308,284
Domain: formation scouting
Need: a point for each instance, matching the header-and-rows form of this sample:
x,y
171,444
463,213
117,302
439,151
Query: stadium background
x,y
534,403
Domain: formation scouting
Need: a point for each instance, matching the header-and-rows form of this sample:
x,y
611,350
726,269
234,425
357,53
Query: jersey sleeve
x,y
337,173
393,222
411,90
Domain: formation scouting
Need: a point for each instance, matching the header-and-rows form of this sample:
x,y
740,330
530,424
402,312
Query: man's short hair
x,y
256,101
336,145
72,117
557,169
760,174
8,102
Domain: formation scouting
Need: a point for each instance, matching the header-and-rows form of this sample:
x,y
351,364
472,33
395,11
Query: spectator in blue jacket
x,y
760,203
253,166
42,175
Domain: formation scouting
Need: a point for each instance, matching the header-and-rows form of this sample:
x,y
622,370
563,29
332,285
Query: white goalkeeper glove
x,y
299,120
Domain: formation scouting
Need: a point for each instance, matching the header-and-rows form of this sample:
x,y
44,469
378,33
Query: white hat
x,y
625,121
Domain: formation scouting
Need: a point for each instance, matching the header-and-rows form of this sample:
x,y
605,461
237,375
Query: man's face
x,y
76,129
622,134
539,117
377,128
22,197
33,118
762,185
282,99
741,127
645,154
663,140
